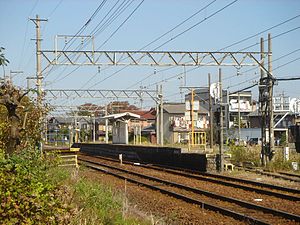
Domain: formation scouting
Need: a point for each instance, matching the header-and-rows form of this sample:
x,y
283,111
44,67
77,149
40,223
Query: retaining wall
x,y
148,154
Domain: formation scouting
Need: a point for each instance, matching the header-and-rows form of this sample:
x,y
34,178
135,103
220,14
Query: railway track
x,y
248,185
281,175
236,208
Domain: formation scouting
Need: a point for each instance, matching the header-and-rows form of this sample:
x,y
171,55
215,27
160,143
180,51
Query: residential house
x,y
177,121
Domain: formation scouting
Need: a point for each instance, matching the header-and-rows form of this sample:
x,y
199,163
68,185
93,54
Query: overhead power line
x,y
211,15
241,41
178,25
71,41
288,78
206,18
261,32
119,27
120,9
158,38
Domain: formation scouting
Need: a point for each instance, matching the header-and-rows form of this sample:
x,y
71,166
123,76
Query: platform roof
x,y
124,116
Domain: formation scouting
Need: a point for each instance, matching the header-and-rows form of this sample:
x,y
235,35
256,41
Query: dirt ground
x,y
158,208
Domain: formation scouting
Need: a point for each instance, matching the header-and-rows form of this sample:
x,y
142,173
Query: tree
x,y
3,60
11,98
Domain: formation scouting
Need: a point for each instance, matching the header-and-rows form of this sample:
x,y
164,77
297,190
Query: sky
x,y
139,24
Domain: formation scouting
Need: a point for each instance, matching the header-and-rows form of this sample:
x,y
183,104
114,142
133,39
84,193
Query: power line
x,y
285,64
247,38
86,23
261,32
119,27
55,8
276,36
25,36
288,78
115,14
178,25
157,40
71,41
281,57
211,15
120,9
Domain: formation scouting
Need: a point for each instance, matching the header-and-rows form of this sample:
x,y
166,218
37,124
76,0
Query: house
x,y
240,103
177,122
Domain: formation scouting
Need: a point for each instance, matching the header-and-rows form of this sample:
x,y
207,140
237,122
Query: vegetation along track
x,y
190,192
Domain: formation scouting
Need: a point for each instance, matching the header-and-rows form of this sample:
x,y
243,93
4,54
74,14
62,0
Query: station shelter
x,y
119,123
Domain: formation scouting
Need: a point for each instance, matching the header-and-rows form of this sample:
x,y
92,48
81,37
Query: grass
x,y
93,202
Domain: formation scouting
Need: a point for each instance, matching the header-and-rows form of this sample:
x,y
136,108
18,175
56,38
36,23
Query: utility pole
x,y
239,115
28,81
211,141
192,118
161,122
262,105
14,72
39,76
157,117
94,128
106,126
221,123
271,114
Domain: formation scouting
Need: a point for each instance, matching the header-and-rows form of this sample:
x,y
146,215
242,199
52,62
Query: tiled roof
x,y
144,114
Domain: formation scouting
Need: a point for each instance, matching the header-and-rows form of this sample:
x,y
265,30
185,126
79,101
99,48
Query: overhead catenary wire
x,y
115,14
281,57
274,37
119,27
161,36
25,35
252,36
71,41
257,77
178,25
195,25
181,33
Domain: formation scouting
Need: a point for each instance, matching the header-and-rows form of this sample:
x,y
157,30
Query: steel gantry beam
x,y
108,94
150,58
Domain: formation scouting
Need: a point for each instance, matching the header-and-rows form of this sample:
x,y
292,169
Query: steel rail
x,y
202,204
245,204
201,176
271,186
281,175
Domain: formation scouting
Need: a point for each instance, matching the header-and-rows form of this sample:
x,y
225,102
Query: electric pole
x,y
38,40
239,115
211,141
161,122
192,118
157,117
271,84
262,106
221,123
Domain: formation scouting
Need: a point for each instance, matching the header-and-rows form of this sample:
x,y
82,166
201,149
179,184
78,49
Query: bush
x,y
242,154
28,195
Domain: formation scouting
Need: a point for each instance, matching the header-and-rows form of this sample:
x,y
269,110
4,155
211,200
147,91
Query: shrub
x,y
28,195
242,154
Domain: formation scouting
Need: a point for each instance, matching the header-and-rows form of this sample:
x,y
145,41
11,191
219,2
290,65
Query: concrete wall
x,y
147,154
